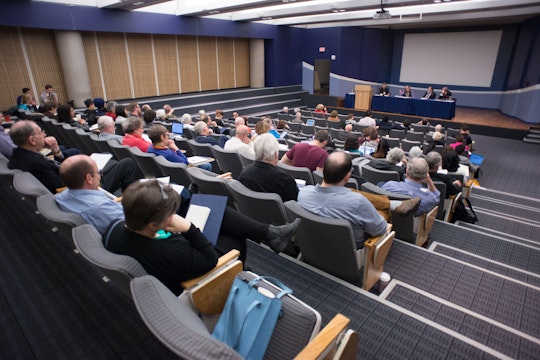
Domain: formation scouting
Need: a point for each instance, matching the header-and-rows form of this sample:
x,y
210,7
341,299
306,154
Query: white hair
x,y
186,119
415,152
266,147
394,155
104,122
202,112
160,114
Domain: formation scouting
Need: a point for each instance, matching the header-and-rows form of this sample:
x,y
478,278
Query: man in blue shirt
x,y
81,176
417,175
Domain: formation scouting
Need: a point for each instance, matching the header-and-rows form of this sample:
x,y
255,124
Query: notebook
x,y
216,204
177,128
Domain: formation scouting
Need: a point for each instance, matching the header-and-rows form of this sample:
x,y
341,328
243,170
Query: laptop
x,y
177,128
310,122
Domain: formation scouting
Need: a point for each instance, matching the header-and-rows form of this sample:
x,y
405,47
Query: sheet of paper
x,y
101,159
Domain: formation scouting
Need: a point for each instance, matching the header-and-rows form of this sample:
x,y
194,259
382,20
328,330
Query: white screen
x,y
457,58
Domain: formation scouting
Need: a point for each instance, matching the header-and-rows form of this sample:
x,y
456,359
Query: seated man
x,y
264,175
162,145
107,129
204,137
30,140
241,141
311,155
6,144
434,161
332,199
417,174
90,111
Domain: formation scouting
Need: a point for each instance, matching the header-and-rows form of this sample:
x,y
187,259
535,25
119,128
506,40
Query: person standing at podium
x,y
384,90
429,93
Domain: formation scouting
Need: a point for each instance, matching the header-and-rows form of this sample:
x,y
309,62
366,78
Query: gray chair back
x,y
406,145
228,160
199,149
328,244
120,151
208,183
395,133
121,269
297,172
177,171
415,136
264,207
29,186
442,189
146,163
63,220
84,138
101,144
375,176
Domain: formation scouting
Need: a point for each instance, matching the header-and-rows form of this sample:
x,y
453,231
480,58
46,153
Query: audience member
x,y
459,141
415,152
66,114
367,120
395,161
107,129
204,135
111,109
334,117
382,149
100,106
320,108
241,141
450,163
149,117
429,94
371,137
169,112
134,130
90,112
416,175
263,175
434,161
6,144
218,118
26,103
166,147
31,101
350,119
188,123
311,155
145,107
466,133
182,251
384,90
297,118
333,200
351,144
133,109
464,159
120,113
48,110
49,96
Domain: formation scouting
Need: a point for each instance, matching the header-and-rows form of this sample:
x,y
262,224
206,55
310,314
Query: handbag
x,y
249,316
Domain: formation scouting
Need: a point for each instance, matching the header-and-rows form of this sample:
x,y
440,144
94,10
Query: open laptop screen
x,y
310,122
178,128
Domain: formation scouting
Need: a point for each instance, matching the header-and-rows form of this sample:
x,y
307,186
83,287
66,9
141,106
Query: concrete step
x,y
533,135
528,139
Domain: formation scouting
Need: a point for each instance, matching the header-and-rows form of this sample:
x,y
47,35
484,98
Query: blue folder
x,y
217,204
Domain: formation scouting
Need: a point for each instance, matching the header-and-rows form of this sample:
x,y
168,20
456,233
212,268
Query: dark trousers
x,y
119,174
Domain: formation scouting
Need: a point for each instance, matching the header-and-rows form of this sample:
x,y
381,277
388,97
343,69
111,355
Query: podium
x,y
363,97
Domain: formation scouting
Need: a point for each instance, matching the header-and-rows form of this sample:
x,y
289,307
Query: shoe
x,y
278,237
408,206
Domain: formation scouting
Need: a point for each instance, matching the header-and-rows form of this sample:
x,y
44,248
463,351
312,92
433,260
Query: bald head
x,y
80,172
239,121
242,131
337,168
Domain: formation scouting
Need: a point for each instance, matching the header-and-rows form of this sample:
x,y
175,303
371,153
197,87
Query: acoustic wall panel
x,y
14,73
225,63
189,63
92,61
241,59
142,65
112,52
166,64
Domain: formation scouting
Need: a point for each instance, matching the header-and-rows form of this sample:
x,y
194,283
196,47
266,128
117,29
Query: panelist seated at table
x,y
384,90
406,92
445,94
429,94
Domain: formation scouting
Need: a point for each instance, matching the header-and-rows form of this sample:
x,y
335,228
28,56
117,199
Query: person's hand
x,y
51,143
172,145
178,224
457,183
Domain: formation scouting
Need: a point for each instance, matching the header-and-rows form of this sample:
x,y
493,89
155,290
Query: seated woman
x,y
320,108
334,116
382,149
395,161
121,115
459,141
134,129
162,145
406,92
351,144
66,114
172,249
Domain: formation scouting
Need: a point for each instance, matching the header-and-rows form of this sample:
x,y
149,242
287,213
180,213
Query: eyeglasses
x,y
39,133
162,189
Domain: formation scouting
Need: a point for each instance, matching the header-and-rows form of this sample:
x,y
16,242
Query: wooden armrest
x,y
324,339
373,240
222,261
60,189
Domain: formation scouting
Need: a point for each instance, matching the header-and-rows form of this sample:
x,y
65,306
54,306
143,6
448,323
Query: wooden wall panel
x,y
142,65
225,63
46,69
112,52
167,66
13,73
241,59
94,73
208,63
189,69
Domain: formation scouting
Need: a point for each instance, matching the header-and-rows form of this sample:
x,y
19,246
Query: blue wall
x,y
369,55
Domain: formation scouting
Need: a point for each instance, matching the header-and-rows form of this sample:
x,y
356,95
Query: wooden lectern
x,y
363,95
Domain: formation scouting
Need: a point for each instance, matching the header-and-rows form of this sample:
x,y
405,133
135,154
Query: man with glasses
x,y
30,141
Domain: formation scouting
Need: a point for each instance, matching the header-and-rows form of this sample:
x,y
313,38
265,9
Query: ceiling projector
x,y
382,14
